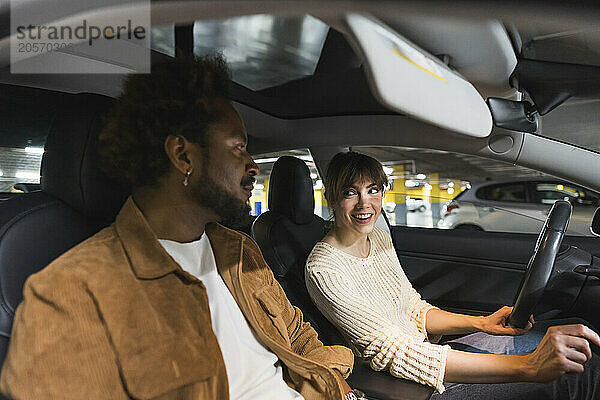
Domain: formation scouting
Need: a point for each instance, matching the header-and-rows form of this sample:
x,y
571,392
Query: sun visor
x,y
407,79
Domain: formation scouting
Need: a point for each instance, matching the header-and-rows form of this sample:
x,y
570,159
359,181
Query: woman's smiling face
x,y
359,207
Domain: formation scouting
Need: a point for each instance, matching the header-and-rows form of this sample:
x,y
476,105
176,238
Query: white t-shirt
x,y
251,368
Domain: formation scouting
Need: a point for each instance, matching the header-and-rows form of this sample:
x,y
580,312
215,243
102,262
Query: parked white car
x,y
518,206
415,204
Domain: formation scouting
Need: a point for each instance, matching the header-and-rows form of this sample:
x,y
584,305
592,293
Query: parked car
x,y
520,205
415,204
412,204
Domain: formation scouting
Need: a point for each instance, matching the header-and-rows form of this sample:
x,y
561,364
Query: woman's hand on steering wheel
x,y
564,349
496,323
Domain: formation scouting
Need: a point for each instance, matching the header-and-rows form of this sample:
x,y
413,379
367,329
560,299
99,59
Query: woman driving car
x,y
355,278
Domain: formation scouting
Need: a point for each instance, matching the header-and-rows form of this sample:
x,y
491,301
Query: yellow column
x,y
456,188
260,197
435,187
434,181
266,194
398,196
320,202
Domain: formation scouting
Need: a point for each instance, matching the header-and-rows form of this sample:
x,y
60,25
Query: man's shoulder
x,y
248,243
252,256
98,253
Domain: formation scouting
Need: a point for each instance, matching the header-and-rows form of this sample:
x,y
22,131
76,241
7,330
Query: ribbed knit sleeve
x,y
370,302
416,308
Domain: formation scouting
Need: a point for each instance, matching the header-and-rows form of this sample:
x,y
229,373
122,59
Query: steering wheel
x,y
541,263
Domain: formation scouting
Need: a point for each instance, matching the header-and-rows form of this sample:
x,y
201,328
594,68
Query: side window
x,y
512,192
162,39
23,135
20,168
549,192
444,190
260,196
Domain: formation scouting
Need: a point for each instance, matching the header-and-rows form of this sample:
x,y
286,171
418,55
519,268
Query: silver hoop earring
x,y
187,175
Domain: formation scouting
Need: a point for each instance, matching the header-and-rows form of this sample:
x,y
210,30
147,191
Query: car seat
x,y
74,203
286,234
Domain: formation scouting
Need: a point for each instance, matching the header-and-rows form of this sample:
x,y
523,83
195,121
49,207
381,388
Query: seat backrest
x,y
287,233
74,203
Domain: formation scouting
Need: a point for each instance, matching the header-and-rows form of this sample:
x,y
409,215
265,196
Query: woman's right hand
x,y
564,349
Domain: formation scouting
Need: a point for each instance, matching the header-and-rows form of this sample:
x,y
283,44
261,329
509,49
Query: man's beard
x,y
233,211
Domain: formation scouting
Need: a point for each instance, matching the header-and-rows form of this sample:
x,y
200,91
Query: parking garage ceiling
x,y
448,165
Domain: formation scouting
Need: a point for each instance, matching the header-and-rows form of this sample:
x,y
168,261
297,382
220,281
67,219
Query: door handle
x,y
587,270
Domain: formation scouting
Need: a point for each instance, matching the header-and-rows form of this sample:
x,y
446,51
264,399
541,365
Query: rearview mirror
x,y
409,80
513,115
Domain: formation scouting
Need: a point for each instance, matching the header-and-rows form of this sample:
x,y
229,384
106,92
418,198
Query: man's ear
x,y
177,149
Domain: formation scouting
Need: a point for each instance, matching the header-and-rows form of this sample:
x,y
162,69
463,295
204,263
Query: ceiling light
x,y
450,190
27,175
273,159
259,186
34,150
313,175
421,176
410,183
450,184
388,170
266,160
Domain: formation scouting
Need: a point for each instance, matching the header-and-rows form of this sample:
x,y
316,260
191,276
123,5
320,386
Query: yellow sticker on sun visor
x,y
417,59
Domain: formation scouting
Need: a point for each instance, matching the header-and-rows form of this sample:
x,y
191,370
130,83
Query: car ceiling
x,y
339,87
480,43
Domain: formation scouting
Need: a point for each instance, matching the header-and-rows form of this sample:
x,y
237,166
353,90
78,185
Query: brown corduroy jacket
x,y
117,318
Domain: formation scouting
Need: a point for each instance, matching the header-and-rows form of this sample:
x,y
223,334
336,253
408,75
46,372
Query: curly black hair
x,y
179,97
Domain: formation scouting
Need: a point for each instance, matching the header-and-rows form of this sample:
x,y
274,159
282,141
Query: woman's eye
x,y
373,191
350,192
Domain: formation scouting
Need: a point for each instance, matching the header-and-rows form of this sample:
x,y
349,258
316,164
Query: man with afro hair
x,y
166,303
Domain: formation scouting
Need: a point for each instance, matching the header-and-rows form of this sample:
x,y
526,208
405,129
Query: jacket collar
x,y
149,260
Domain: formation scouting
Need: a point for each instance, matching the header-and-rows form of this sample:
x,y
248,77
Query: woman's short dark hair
x,y
346,168
179,97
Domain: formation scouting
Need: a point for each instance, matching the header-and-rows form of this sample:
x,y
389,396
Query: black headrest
x,y
69,165
291,190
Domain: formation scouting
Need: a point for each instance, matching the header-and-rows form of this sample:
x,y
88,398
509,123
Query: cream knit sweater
x,y
373,303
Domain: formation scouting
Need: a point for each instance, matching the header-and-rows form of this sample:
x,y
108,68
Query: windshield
x,y
577,122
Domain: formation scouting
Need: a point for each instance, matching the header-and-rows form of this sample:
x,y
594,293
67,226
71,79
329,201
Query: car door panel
x,y
469,271
451,284
459,270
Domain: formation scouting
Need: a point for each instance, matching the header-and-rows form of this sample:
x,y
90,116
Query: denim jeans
x,y
569,386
